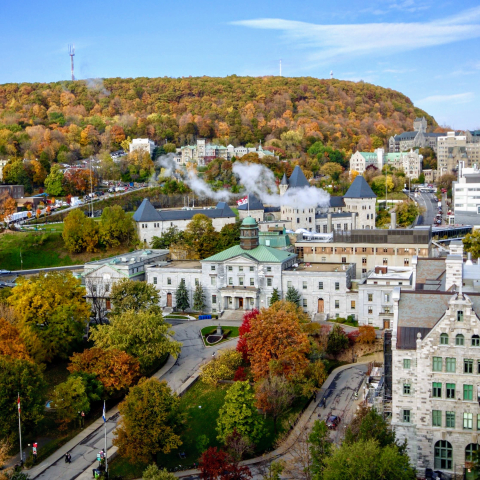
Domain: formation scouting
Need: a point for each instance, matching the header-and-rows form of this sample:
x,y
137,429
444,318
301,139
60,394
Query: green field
x,y
43,249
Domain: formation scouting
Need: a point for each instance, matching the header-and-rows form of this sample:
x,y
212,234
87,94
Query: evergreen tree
x,y
198,298
293,296
275,297
182,296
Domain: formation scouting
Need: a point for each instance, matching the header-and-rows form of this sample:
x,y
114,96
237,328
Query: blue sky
x,y
429,50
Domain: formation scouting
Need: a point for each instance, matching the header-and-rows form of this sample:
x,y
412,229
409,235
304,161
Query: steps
x,y
232,315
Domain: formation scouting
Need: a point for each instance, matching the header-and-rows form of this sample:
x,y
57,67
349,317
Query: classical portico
x,y
239,298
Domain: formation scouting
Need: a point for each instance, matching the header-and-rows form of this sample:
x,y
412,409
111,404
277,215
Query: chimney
x,y
393,220
329,222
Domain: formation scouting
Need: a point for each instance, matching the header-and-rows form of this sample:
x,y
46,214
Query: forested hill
x,y
68,120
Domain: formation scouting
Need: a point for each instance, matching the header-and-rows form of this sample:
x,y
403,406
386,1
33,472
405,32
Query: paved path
x,y
429,202
84,447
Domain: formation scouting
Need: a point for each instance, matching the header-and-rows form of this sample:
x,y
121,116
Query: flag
x,y
242,201
104,416
18,403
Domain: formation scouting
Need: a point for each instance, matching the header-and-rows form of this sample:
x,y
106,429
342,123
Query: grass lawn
x,y
43,249
208,330
176,317
201,421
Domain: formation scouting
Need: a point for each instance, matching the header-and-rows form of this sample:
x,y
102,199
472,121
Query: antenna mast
x,y
71,52
331,75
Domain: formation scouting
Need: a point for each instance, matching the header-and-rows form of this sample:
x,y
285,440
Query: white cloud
x,y
455,98
328,42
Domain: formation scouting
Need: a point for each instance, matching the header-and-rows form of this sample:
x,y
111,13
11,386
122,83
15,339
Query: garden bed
x,y
228,333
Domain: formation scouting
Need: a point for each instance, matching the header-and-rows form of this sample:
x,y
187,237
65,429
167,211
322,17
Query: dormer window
x,y
460,316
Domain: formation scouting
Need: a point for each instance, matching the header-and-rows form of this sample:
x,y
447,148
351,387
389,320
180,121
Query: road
x,y
84,451
429,202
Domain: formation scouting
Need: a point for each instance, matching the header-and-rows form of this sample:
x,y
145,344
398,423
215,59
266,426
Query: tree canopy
x,y
129,294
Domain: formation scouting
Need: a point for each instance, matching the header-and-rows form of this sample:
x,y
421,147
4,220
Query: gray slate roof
x,y
359,189
298,179
336,201
147,213
430,269
335,215
253,203
284,180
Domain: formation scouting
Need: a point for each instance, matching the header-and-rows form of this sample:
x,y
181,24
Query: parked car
x,y
4,272
333,422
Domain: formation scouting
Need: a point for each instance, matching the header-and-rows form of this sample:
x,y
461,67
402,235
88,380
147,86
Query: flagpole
x,y
20,430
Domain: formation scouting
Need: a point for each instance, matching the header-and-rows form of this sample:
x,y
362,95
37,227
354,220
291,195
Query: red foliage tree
x,y
213,463
240,375
353,337
245,328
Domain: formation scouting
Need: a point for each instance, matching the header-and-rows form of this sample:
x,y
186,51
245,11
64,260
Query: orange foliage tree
x,y
116,370
276,342
366,334
7,205
11,345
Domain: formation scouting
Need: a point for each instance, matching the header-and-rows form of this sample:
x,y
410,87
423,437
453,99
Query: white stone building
x,y
143,144
151,222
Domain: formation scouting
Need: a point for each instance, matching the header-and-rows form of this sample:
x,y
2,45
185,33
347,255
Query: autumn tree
x,y
201,237
80,232
150,421
239,413
52,313
229,236
276,343
11,345
168,237
407,212
24,377
221,368
274,395
366,334
213,463
132,295
69,398
245,327
181,296
154,473
116,370
8,206
445,181
116,227
143,335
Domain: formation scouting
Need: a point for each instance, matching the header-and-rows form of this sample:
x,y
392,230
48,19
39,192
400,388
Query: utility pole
x,y
20,430
91,189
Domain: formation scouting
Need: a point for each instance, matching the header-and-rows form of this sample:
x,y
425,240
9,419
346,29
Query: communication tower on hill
x,y
71,52
331,75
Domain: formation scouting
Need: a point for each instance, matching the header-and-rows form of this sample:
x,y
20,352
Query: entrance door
x,y
320,305
386,323
169,299
240,303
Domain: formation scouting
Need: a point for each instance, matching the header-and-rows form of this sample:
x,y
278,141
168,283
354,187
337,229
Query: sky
x,y
429,50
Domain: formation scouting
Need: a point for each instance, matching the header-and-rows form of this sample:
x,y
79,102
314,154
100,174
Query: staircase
x,y
320,317
236,315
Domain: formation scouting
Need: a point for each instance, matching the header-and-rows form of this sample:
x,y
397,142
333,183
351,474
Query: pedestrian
x,y
315,396
82,416
66,457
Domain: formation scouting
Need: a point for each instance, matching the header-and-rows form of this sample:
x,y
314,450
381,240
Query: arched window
x,y
475,341
443,455
444,339
470,449
459,339
459,316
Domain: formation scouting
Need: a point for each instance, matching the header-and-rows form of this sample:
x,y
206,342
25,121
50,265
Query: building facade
x,y
142,144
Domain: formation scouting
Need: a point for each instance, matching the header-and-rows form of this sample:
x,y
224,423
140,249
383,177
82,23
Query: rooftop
x,y
359,189
179,264
392,273
430,269
298,179
259,254
138,256
321,267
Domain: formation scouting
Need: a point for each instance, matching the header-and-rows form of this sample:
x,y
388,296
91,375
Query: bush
x,y
222,368
366,334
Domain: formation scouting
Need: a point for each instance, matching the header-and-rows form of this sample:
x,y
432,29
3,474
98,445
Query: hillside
x,y
65,121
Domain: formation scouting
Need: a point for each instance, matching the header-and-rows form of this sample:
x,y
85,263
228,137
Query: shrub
x,y
366,334
221,368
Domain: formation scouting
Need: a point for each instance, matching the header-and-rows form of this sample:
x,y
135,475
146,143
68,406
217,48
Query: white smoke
x,y
168,163
96,85
260,181
202,189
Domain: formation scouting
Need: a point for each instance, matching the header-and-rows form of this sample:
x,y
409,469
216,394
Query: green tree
x,y
320,447
337,340
93,387
54,181
68,399
143,335
407,212
198,298
229,235
168,237
471,242
293,296
116,227
333,170
52,313
154,473
132,295
275,297
181,296
25,378
201,237
273,471
221,368
421,178
150,420
80,232
239,413
366,460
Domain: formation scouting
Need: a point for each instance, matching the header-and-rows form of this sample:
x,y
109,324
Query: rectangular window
x,y
437,364
212,268
169,281
344,259
478,421
385,261
352,304
289,284
450,390
364,249
451,365
251,269
467,365
406,389
213,281
406,416
197,281
304,303
214,299
450,419
154,280
468,392
230,268
230,280
269,269
240,269
337,286
252,282
337,303
370,310
240,280
468,421
370,297
320,285
406,262
459,316
304,285
436,418
406,363
269,282
324,259
436,390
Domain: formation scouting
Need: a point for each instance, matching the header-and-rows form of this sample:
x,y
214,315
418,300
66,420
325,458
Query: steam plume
x,y
202,189
168,163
